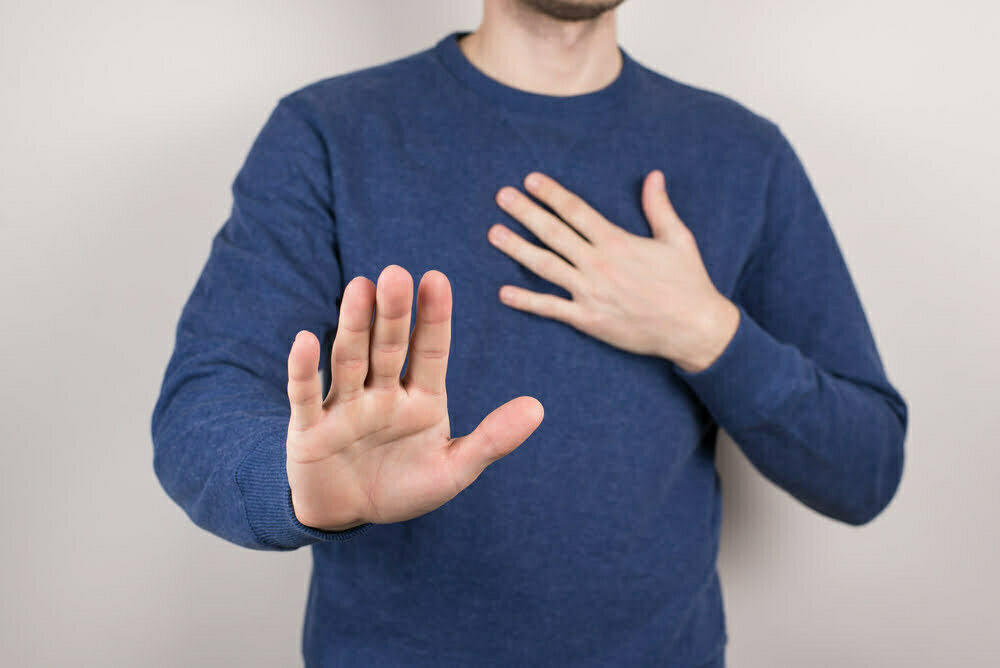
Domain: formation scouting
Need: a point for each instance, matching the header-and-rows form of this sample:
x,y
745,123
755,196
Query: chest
x,y
419,192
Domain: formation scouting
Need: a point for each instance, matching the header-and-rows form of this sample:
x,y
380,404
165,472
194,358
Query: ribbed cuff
x,y
263,481
742,385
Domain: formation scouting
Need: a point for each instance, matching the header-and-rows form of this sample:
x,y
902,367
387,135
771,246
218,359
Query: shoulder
x,y
381,88
712,119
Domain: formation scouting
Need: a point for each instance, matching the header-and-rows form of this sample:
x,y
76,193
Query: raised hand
x,y
378,448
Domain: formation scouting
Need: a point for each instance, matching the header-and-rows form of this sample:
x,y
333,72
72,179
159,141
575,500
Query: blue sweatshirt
x,y
594,543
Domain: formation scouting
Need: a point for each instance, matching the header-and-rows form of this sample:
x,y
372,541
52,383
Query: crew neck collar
x,y
454,59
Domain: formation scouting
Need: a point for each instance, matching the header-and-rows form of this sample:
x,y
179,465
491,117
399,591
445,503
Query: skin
x,y
378,448
647,295
519,45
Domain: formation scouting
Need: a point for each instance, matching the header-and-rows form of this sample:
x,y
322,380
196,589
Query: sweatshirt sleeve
x,y
220,422
801,387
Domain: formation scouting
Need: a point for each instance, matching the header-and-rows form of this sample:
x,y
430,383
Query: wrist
x,y
320,524
713,330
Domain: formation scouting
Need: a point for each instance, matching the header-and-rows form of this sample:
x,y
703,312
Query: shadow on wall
x,y
749,538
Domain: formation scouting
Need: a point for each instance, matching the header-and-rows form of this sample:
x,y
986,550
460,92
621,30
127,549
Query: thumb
x,y
497,435
657,206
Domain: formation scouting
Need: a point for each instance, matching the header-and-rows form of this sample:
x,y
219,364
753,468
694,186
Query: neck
x,y
522,48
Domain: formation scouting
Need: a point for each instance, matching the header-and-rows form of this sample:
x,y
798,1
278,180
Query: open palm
x,y
378,448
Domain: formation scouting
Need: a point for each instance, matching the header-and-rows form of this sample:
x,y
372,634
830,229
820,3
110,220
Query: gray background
x,y
122,125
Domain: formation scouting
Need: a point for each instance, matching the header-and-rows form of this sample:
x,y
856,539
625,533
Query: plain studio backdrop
x,y
122,125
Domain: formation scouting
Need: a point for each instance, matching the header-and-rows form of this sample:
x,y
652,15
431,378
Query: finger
x,y
349,356
431,339
657,206
499,434
391,330
571,207
542,262
305,385
555,233
549,306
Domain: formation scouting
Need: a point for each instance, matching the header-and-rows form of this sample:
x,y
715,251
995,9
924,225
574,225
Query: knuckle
x,y
570,315
432,353
416,387
299,393
352,330
348,361
579,318
541,226
544,262
384,385
295,428
587,318
388,347
553,309
349,395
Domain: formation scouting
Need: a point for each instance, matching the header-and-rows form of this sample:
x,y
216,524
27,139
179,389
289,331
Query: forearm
x,y
220,424
834,443
202,431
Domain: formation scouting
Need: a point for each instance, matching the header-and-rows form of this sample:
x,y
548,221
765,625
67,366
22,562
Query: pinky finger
x,y
305,385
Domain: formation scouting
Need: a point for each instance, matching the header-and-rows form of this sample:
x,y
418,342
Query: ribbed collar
x,y
454,59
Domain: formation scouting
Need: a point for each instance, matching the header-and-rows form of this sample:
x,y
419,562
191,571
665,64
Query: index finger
x,y
570,207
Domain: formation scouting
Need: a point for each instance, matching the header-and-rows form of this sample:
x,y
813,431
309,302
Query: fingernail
x,y
505,196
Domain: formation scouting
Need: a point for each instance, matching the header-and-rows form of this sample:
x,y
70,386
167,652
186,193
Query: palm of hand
x,y
379,447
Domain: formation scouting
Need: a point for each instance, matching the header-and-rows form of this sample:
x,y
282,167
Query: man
x,y
670,271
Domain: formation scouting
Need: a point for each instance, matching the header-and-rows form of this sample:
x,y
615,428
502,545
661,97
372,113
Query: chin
x,y
572,10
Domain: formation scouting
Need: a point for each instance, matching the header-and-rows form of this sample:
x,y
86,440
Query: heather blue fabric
x,y
595,542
